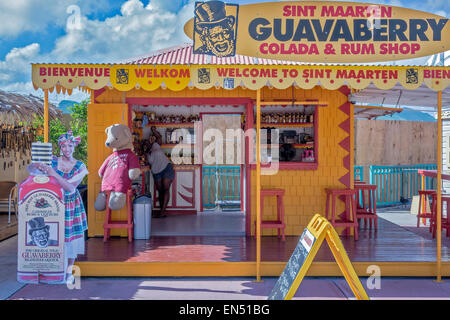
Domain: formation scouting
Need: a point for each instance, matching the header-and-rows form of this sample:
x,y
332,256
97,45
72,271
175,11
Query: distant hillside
x,y
65,105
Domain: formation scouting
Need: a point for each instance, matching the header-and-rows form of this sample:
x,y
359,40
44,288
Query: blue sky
x,y
43,31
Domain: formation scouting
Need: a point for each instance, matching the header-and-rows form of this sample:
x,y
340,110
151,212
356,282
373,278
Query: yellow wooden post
x,y
438,187
258,186
352,148
46,124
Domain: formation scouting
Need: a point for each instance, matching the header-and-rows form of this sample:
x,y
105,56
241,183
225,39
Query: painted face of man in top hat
x,y
220,41
39,232
215,28
41,237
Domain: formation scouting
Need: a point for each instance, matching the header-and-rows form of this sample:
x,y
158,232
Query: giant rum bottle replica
x,y
41,224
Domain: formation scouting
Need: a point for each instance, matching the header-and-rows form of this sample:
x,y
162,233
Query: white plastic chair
x,y
7,189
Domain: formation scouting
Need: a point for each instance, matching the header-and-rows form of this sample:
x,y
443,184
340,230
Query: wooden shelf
x,y
172,145
168,125
300,125
295,145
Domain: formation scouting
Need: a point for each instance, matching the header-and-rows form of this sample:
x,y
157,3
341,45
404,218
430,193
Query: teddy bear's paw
x,y
100,202
117,200
134,173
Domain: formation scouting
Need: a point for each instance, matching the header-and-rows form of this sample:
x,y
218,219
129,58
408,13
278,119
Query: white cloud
x,y
15,70
20,87
27,88
131,7
136,31
15,74
19,58
18,16
441,13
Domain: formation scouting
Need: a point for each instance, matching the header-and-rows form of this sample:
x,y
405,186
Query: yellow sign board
x,y
316,31
318,229
330,77
69,76
178,77
149,77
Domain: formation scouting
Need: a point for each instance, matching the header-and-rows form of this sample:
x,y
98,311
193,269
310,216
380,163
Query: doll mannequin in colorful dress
x,y
69,172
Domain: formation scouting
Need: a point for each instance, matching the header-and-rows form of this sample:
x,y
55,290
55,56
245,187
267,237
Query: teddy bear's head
x,y
118,137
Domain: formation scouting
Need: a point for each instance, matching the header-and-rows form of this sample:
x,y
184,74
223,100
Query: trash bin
x,y
142,212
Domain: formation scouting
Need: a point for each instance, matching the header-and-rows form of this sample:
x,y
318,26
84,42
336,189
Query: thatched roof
x,y
16,107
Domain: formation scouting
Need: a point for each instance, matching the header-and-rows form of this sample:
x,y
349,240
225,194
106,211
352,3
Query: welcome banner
x,y
329,77
176,78
317,31
69,76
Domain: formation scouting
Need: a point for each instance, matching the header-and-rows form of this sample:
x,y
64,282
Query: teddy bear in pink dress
x,y
119,169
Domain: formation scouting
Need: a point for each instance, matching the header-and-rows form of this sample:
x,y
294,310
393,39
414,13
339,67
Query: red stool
x,y
128,224
358,182
445,221
422,213
350,208
369,212
279,223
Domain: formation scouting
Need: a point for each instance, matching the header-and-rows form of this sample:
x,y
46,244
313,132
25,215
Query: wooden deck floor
x,y
391,243
7,229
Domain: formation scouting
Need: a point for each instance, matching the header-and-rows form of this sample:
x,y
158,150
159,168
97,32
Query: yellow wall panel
x,y
101,116
305,193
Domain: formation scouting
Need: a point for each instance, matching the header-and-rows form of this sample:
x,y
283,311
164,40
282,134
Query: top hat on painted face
x,y
37,223
211,13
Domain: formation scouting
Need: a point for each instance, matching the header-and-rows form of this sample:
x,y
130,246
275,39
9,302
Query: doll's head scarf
x,y
68,137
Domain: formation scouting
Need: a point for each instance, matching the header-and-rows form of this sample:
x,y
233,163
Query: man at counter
x,y
162,171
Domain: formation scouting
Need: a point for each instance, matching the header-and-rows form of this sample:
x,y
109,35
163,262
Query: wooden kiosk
x,y
310,104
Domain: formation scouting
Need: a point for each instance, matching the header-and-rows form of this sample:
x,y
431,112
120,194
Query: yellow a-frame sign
x,y
317,230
